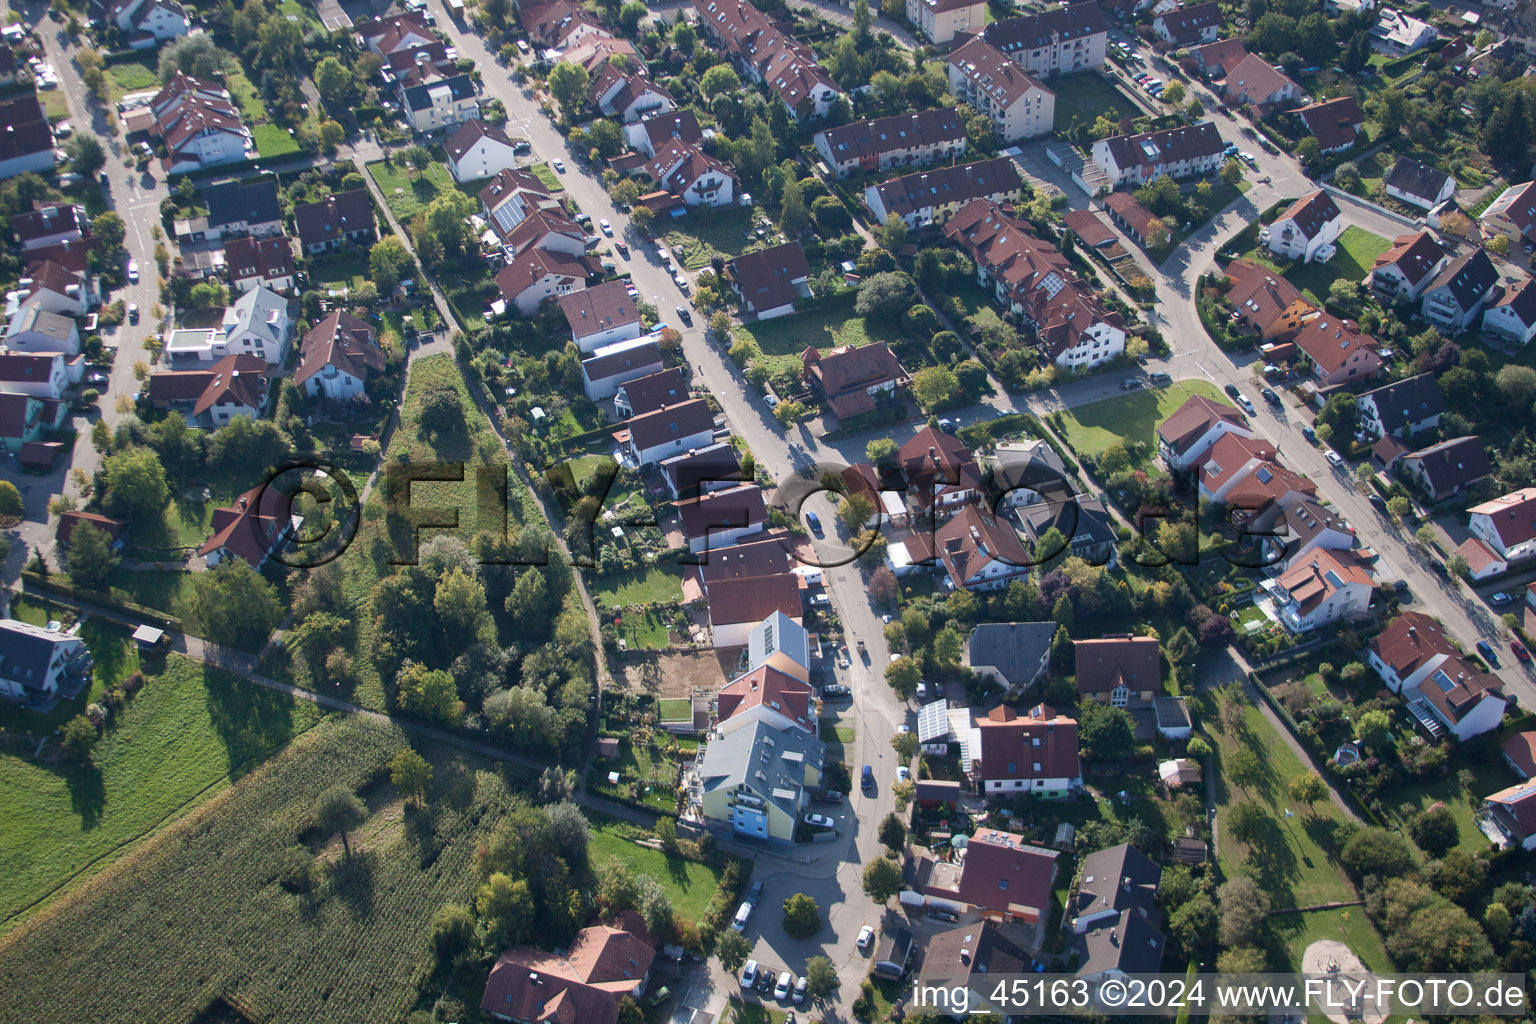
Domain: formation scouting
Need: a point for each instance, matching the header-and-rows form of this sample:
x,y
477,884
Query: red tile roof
x,y
1190,421
1415,256
1521,749
846,374
1041,745
343,341
713,511
251,526
1513,516
1334,123
583,987
753,598
767,686
1004,872
1109,662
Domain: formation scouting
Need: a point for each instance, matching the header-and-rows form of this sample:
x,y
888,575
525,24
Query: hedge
x,y
56,586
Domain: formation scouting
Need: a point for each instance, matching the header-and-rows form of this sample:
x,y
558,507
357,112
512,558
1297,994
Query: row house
x,y
901,140
200,125
1019,105
1055,41
931,197
1455,298
627,95
1134,160
686,171
766,54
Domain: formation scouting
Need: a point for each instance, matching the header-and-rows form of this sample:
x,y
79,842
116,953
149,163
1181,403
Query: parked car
x,y
1379,504
664,256
800,990
903,773
623,249
1245,403
1161,377
558,165
1486,650
922,690
743,915
133,312
756,892
607,228
133,271
1231,390
749,974
1500,599
867,781
866,937
1130,384
681,282
771,400
1333,457
1270,396
830,796
764,982
813,521
684,315
1519,650
782,989
1249,159
836,690
819,821
944,915
821,601
1308,433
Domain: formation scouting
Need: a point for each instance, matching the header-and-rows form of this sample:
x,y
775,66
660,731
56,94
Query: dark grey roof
x,y
1013,648
1130,945
1416,179
419,97
899,131
230,202
975,948
1171,145
1407,401
943,185
1058,24
1118,878
1468,278
1454,463
1082,517
26,651
1038,469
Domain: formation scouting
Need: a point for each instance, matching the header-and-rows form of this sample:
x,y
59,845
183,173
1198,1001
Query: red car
x,y
1520,651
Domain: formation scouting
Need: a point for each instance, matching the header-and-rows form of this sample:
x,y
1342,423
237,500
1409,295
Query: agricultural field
x,y
196,922
189,732
1091,429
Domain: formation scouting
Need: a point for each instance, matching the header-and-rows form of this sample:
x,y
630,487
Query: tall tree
x,y
338,810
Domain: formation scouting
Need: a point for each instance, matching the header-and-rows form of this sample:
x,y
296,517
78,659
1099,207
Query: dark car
x,y
684,315
1379,504
1130,384
756,892
1270,396
623,248
1486,650
831,796
868,779
1309,434
836,690
1232,391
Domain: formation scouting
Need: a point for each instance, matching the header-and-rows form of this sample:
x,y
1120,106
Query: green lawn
x,y
1462,803
409,194
132,76
1292,933
1086,95
675,709
702,234
690,885
272,141
756,1013
547,175
340,270
251,106
188,732
1091,429
825,325
111,648
651,585
1358,249
645,630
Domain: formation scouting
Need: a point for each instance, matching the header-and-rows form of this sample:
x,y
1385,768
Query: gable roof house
x,y
609,367
256,323
1511,319
780,644
1403,271
1520,753
717,519
767,695
764,53
1335,123
849,378
941,473
1445,692
1012,655
1507,524
770,281
1456,296
48,224
335,221
1397,35
438,101
601,316
757,779
763,556
1082,519
1229,461
651,437
941,20
254,525
738,604
1055,40
685,170
1032,279
144,23
627,95
1216,59
513,195
651,392
1019,105
604,965
1134,160
242,208
1257,83
536,275
1446,469
881,143
1025,472
34,329
1036,752
1188,26
1402,408
41,375
1338,352
969,957
37,664
1000,876
200,125
115,529
932,196
260,263
1418,184
1512,813
1512,214
22,419
702,470
1306,230
53,288
1303,524
1322,588
1117,670
479,150
1265,301
336,358
407,31
979,551
26,137
212,396
1116,925
1184,438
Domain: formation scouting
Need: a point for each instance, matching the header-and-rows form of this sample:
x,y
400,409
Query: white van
x,y
664,256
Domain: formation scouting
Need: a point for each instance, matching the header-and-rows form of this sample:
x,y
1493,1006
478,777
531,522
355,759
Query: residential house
x,y
1036,752
627,95
1520,753
1258,497
1012,655
738,604
1453,300
1185,437
1338,352
1133,218
685,170
559,25
1511,318
336,358
1402,408
1403,271
547,229
54,288
1305,524
1306,230
256,323
26,137
1512,813
335,222
1335,123
37,664
251,528
146,23
23,419
765,53
212,397
655,132
1082,520
1324,588
932,196
1184,27
718,519
513,195
1512,214
1507,524
1118,670
770,281
901,140
766,695
200,125
964,962
758,779
1025,472
260,263
406,32
1445,692
1446,469
1090,228
479,150
42,375
1134,160
1265,302
978,550
541,274
1055,40
649,393
610,366
440,102
999,876
850,378
48,224
413,66
1019,105
1116,924
765,556
34,329
1033,280
942,20
603,966
1216,59
940,472
115,529
601,316
780,645
242,208
653,436
1418,184
1230,460
702,470
1257,83
1397,34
